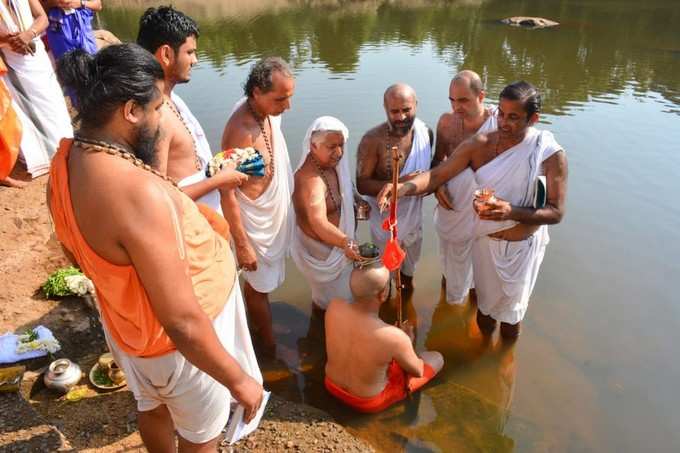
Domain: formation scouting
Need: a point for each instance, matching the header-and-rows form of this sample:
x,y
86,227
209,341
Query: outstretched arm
x,y
428,181
310,203
556,173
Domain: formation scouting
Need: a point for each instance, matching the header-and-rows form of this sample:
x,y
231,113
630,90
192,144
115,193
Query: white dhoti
x,y
211,198
198,404
505,272
269,220
409,209
36,93
326,268
456,229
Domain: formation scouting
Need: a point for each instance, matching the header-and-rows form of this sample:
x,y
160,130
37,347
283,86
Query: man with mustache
x,y
454,216
167,286
183,150
512,232
413,140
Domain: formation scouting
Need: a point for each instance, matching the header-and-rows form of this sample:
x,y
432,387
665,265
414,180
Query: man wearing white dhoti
x,y
37,96
454,216
512,232
413,140
183,150
260,212
323,245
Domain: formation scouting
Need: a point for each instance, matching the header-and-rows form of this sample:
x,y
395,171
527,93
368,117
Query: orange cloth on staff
x,y
123,302
10,130
399,385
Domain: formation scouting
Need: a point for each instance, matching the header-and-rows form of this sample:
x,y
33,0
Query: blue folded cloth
x,y
8,346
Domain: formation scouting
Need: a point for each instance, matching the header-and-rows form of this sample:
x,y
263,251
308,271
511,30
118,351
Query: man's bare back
x,y
242,131
360,348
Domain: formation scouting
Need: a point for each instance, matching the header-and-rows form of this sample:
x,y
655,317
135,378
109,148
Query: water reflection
x,y
599,48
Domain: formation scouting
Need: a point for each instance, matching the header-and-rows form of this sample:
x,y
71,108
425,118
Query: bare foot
x,y
486,323
14,183
510,331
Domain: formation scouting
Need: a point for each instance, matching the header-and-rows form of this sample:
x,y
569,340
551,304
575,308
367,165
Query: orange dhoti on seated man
x,y
10,132
372,365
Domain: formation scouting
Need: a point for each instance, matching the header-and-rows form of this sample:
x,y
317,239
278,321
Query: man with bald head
x,y
413,140
372,365
454,216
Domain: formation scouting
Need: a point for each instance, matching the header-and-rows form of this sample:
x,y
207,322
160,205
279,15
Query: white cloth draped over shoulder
x,y
505,272
269,220
326,268
211,198
409,209
36,93
457,228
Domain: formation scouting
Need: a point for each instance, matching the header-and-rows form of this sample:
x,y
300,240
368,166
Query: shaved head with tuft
x,y
368,283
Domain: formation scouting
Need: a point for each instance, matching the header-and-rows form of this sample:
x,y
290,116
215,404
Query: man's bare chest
x,y
385,161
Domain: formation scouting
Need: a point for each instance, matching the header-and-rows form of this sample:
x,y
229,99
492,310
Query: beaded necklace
x,y
260,122
91,145
322,173
197,160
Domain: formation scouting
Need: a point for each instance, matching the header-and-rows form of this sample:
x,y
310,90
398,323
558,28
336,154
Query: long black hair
x,y
165,25
113,76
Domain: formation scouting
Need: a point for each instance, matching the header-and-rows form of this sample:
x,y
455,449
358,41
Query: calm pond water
x,y
596,368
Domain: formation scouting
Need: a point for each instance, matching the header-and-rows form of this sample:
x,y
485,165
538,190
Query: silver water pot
x,y
62,375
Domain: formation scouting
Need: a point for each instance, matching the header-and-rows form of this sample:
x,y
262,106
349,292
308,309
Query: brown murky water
x,y
596,368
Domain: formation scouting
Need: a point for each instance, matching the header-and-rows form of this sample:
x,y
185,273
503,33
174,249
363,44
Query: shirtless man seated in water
x,y
372,365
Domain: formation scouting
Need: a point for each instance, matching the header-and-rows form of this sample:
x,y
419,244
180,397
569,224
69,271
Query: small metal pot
x,y
362,211
62,375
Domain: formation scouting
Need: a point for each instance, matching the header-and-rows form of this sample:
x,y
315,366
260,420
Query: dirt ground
x,y
105,422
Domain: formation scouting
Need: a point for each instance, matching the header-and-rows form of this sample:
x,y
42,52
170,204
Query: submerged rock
x,y
529,22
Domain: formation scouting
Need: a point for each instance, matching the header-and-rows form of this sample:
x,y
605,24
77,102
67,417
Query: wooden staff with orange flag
x,y
394,255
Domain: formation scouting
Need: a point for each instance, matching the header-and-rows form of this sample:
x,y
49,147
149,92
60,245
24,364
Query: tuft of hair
x,y
524,92
261,73
471,78
165,25
102,82
367,283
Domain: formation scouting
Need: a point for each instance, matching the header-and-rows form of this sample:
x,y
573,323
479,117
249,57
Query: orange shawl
x,y
123,302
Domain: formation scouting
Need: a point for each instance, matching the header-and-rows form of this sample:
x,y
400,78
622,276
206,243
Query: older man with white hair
x,y
323,244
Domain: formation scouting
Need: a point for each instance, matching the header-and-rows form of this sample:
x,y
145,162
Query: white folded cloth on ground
x,y
9,344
